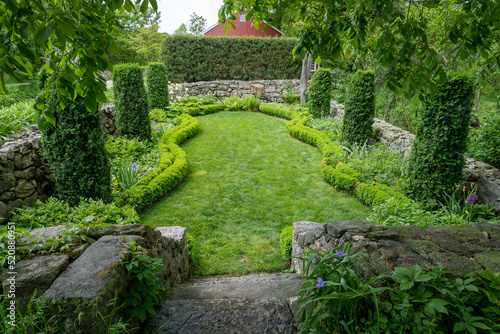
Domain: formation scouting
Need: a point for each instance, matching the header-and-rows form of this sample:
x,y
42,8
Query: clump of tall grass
x,y
16,118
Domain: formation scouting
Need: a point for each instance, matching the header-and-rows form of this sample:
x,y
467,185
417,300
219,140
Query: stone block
x,y
24,189
35,273
337,229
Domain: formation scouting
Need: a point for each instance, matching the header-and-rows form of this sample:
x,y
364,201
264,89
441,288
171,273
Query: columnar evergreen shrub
x,y
320,93
359,108
200,58
157,86
131,102
77,156
437,156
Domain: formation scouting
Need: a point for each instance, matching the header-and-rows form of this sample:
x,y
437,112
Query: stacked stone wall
x,y
268,90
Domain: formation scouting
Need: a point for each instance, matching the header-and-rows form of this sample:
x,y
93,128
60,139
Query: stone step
x,y
255,303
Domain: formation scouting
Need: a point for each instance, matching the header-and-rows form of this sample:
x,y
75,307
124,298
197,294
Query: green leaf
x,y
154,5
90,102
423,278
144,6
43,33
480,325
405,285
438,304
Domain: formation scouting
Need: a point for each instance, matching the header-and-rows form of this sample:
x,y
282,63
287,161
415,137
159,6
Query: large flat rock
x,y
95,274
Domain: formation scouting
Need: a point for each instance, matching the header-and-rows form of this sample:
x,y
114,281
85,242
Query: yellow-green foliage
x,y
202,109
286,238
321,140
172,169
343,168
375,194
338,179
277,111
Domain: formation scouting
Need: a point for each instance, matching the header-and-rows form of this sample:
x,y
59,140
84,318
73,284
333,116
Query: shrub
x,y
276,111
286,238
192,59
126,149
485,142
320,92
157,115
132,110
54,212
360,108
157,86
76,154
437,157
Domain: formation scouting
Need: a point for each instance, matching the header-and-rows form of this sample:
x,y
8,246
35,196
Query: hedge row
x,y
203,110
342,177
171,171
191,58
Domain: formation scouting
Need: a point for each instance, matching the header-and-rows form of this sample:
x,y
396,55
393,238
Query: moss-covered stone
x,y
457,264
410,232
460,233
489,259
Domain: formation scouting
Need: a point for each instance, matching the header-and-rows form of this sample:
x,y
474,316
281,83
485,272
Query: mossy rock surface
x,y
410,232
489,259
460,233
457,264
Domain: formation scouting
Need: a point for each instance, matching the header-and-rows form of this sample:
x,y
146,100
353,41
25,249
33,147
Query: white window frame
x,y
243,17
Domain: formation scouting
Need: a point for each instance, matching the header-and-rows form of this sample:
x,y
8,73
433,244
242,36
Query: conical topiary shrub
x,y
131,102
157,86
359,108
320,93
437,160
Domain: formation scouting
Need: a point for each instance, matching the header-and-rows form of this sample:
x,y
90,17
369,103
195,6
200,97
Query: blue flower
x,y
340,253
134,167
154,123
158,129
471,199
314,260
320,283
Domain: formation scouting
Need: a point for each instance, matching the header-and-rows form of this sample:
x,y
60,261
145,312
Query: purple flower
x,y
154,123
158,129
471,199
320,283
340,253
314,260
134,167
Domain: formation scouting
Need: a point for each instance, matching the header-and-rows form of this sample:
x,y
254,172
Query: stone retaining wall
x,y
108,116
459,248
269,90
85,280
25,175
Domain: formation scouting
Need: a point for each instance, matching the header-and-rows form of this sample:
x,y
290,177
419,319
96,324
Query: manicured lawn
x,y
248,180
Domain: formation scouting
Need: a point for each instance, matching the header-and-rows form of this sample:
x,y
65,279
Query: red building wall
x,y
243,29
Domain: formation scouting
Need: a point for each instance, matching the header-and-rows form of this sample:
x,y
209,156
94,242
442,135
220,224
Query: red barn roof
x,y
243,28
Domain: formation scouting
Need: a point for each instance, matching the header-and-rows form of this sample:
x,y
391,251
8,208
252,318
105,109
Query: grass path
x,y
248,180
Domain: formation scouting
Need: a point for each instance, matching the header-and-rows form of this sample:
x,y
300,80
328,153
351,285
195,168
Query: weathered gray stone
x,y
305,233
44,232
35,273
493,230
6,196
24,189
446,242
337,229
30,201
488,192
18,162
489,259
460,233
145,231
91,281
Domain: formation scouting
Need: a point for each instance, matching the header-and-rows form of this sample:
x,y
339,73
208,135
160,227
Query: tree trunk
x,y
304,77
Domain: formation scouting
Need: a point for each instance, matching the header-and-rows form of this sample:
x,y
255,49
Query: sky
x,y
176,12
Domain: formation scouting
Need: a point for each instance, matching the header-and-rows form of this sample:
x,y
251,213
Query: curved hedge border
x,y
341,176
171,171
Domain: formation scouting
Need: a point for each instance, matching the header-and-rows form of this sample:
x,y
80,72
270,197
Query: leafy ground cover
x,y
248,180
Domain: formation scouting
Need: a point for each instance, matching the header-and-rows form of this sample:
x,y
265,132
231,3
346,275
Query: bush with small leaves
x,y
157,86
131,103
77,156
437,160
359,108
320,93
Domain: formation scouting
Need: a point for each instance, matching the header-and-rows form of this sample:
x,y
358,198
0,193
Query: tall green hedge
x,y
157,86
77,156
131,102
191,58
359,108
320,93
437,157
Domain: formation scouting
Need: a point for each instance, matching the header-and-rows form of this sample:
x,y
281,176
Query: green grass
x,y
248,180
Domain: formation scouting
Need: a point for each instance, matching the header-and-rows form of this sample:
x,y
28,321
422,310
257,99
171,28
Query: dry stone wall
x,y
25,175
268,90
85,280
462,249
